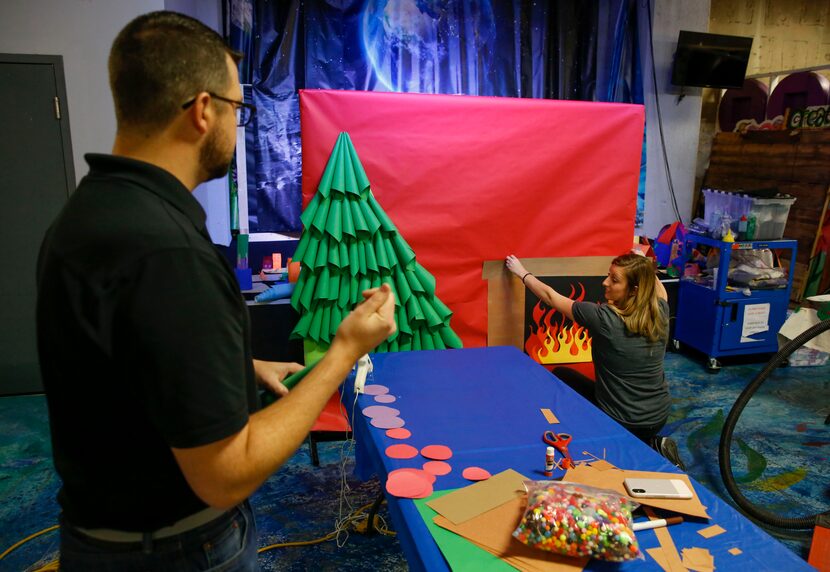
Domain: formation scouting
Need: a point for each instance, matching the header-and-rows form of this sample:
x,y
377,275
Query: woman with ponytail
x,y
629,335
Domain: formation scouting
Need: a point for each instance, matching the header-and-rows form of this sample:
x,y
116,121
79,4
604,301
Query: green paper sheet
x,y
441,309
361,258
426,279
302,245
429,314
321,216
322,253
385,222
369,216
325,323
355,296
343,254
316,324
335,219
405,254
461,554
357,217
310,254
308,291
371,260
321,290
402,285
308,214
354,259
451,339
343,290
301,329
350,244
380,252
313,351
416,339
403,321
413,308
346,222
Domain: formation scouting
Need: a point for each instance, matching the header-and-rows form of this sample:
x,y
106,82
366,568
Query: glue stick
x,y
549,461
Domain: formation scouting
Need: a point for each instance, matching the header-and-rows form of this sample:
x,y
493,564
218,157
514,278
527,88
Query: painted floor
x,y
780,453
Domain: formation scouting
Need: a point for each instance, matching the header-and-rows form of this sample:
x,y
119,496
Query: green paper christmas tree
x,y
349,244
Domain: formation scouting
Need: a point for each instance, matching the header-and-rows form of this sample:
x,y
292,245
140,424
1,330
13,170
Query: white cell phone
x,y
658,488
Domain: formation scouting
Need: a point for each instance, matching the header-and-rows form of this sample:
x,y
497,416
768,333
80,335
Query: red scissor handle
x,y
560,442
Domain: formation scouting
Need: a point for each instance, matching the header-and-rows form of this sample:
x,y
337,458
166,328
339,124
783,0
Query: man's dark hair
x,y
158,62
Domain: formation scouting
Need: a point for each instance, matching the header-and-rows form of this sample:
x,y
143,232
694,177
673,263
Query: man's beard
x,y
212,159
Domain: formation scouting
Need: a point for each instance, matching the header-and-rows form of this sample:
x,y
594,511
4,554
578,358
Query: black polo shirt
x,y
144,345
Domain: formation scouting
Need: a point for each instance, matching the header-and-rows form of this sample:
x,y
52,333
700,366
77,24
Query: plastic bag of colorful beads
x,y
577,520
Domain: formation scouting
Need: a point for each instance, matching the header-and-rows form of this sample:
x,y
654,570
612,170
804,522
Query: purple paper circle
x,y
387,422
375,389
380,411
386,398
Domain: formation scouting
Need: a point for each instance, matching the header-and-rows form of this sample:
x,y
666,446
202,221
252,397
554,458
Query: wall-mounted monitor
x,y
710,60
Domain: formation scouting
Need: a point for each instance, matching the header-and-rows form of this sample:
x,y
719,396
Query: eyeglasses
x,y
244,111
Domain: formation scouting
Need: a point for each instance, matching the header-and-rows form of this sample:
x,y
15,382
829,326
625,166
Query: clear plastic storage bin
x,y
769,214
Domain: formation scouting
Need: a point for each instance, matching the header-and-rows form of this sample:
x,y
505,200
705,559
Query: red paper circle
x,y
426,474
408,484
387,422
437,467
380,411
475,474
375,389
437,452
401,451
399,433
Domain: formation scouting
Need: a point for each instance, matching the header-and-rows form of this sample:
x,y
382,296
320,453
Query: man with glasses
x,y
144,338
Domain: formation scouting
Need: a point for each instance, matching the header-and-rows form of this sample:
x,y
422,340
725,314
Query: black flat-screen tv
x,y
710,60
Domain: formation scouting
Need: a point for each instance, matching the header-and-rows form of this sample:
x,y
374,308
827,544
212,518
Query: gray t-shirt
x,y
631,386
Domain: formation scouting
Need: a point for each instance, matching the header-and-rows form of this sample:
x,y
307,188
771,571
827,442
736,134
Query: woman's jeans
x,y
226,544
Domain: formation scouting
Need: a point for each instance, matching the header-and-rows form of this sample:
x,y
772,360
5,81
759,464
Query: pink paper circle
x,y
475,474
437,467
387,422
429,476
375,389
408,484
401,451
437,452
399,433
385,398
380,411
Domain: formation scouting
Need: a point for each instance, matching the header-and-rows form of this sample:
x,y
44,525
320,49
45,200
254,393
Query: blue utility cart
x,y
721,320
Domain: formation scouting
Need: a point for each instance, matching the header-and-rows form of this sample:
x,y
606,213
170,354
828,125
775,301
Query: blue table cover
x,y
485,404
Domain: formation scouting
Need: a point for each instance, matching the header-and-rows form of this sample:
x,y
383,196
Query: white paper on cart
x,y
756,320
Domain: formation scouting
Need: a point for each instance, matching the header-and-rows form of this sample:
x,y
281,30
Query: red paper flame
x,y
555,339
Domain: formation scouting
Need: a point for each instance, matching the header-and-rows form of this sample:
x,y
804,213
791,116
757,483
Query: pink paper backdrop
x,y
468,179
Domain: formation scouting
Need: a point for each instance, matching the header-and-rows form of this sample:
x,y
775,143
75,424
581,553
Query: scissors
x,y
560,442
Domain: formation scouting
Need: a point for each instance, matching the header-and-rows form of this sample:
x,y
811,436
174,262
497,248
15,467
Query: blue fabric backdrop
x,y
511,48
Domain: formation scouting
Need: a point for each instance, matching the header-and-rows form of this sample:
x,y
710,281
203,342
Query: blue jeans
x,y
226,544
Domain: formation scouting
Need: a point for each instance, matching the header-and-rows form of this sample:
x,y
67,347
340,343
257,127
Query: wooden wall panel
x,y
795,162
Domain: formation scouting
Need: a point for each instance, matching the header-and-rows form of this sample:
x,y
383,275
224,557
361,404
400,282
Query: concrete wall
x,y
787,34
680,117
82,31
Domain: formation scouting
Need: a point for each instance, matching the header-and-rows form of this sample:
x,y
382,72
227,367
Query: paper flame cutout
x,y
554,339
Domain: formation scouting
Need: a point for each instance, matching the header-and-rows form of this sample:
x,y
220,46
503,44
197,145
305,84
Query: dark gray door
x,y
36,177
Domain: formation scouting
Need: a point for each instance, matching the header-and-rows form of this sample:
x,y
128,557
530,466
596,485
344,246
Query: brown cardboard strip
x,y
493,531
711,531
464,504
549,416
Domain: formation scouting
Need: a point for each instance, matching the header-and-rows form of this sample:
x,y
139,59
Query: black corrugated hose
x,y
724,456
